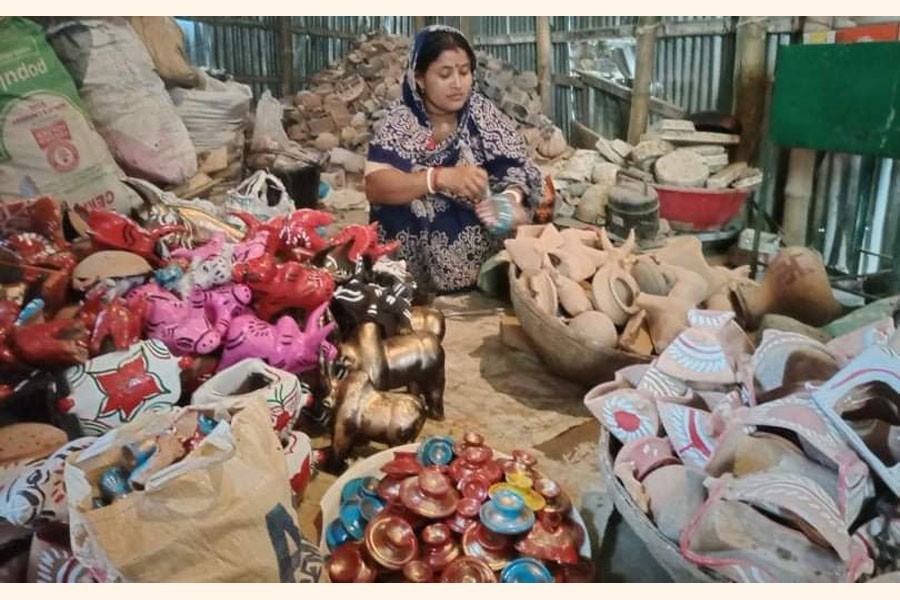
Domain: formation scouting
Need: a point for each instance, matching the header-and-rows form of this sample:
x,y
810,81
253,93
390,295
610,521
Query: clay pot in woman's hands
x,y
615,292
795,285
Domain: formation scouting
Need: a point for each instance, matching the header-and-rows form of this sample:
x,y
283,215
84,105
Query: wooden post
x,y
465,25
544,63
418,24
287,56
640,94
752,84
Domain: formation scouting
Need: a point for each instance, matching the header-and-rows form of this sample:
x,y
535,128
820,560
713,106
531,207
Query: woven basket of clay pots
x,y
661,548
564,353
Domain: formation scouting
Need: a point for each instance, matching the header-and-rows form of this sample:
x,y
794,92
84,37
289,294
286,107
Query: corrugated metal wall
x,y
853,219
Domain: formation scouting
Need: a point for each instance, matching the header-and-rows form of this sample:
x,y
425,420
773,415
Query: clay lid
x,y
391,541
525,570
436,450
495,549
403,464
555,545
506,513
21,442
353,519
417,571
358,486
429,494
107,264
459,523
347,564
556,498
470,438
468,569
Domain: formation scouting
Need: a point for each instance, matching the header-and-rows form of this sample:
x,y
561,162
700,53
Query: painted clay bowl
x,y
470,439
336,534
557,499
506,513
646,454
552,543
525,570
439,548
391,541
429,494
436,450
348,565
466,513
417,571
468,569
628,415
403,465
493,548
351,517
358,486
532,499
475,486
389,489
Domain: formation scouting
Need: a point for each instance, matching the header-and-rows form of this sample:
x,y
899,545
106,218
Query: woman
x,y
447,174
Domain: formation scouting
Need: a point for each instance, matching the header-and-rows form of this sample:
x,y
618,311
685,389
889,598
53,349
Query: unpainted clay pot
x,y
687,252
720,301
595,327
646,455
795,285
649,277
614,293
667,316
675,492
543,290
550,237
636,335
689,286
526,252
572,296
572,261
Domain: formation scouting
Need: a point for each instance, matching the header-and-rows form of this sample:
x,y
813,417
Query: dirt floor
x,y
503,393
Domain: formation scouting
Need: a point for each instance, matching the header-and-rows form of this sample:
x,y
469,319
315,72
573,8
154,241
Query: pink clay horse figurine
x,y
282,345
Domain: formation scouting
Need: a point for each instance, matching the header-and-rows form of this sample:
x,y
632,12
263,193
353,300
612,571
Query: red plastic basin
x,y
699,209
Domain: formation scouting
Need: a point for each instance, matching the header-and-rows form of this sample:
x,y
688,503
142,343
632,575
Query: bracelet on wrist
x,y
428,185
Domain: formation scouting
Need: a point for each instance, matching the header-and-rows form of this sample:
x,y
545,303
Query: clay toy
x,y
277,287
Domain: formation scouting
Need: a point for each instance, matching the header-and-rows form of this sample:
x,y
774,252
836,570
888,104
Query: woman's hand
x,y
501,213
465,181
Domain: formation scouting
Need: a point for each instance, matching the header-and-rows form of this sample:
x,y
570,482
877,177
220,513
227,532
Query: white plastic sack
x,y
262,195
48,145
126,98
213,113
268,131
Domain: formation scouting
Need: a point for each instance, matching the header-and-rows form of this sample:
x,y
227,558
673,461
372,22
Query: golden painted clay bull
x,y
414,361
362,413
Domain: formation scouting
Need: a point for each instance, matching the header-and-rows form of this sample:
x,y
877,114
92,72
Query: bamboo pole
x,y
640,93
418,24
544,63
751,84
287,56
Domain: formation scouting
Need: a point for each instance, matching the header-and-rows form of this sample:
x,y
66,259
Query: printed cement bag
x,y
221,514
48,145
126,98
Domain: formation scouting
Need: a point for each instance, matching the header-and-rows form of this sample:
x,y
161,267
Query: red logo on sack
x,y
56,142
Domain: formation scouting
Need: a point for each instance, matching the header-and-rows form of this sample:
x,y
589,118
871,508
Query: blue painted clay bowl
x,y
525,570
506,513
336,534
436,450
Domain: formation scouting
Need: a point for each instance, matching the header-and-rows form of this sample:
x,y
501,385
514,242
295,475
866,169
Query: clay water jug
x,y
795,285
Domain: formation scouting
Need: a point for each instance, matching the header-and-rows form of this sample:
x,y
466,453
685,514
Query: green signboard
x,y
838,97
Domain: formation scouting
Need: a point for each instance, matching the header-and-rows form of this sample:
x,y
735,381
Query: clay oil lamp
x,y
493,548
417,571
522,461
475,486
391,541
114,484
548,541
470,461
507,514
470,439
429,494
532,499
439,548
468,569
359,486
389,489
403,464
356,513
466,513
436,450
557,502
336,534
525,570
347,564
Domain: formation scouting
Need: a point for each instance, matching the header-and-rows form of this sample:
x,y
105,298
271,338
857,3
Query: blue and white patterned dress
x,y
441,238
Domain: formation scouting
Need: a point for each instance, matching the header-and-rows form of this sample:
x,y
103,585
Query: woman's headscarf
x,y
484,136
